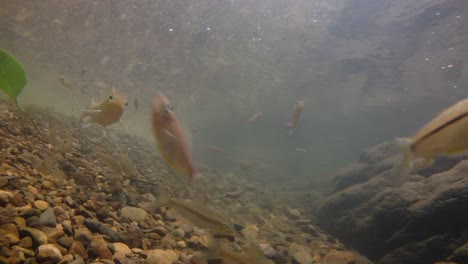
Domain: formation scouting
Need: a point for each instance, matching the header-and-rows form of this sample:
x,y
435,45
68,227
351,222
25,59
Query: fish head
x,y
114,100
223,230
300,104
162,108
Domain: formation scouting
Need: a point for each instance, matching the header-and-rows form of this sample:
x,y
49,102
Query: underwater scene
x,y
234,131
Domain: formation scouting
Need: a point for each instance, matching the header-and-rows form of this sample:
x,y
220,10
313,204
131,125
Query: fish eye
x,y
110,97
168,107
224,226
126,103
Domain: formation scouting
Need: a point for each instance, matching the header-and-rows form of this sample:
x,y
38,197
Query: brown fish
x,y
108,111
297,114
447,133
170,138
250,256
199,214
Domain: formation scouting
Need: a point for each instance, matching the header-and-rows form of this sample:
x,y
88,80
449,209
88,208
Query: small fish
x,y
447,133
65,81
228,256
297,114
255,117
83,71
136,103
108,111
247,165
120,163
101,84
302,149
199,214
170,138
216,149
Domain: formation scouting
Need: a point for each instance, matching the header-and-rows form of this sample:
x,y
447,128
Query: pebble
x,y
28,212
48,253
41,205
294,213
25,242
83,235
98,248
38,237
181,244
178,233
47,218
267,250
77,248
133,214
194,241
158,256
121,248
300,254
65,241
339,257
5,197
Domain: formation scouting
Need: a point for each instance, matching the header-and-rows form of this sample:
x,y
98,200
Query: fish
x,y
83,71
302,149
136,103
65,81
447,133
107,112
216,149
199,214
255,117
297,114
171,141
228,256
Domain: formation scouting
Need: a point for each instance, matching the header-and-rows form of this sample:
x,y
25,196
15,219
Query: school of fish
x,y
447,133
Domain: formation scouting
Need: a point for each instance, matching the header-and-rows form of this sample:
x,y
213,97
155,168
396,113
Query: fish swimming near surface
x,y
297,114
199,214
107,112
255,117
170,138
447,133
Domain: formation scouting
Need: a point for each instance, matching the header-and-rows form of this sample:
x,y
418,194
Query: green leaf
x,y
13,77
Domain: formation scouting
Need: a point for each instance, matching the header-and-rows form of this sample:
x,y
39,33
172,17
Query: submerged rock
x,y
416,222
159,256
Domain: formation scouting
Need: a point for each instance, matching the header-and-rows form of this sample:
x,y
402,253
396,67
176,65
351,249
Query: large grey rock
x,y
372,162
416,222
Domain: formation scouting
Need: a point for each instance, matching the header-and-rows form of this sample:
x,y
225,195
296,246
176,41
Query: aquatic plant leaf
x,y
13,77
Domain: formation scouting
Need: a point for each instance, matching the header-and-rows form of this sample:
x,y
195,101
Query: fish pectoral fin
x,y
123,123
170,135
91,111
86,125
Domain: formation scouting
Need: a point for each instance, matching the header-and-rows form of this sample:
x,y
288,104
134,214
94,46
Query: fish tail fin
x,y
403,170
214,249
163,200
290,131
